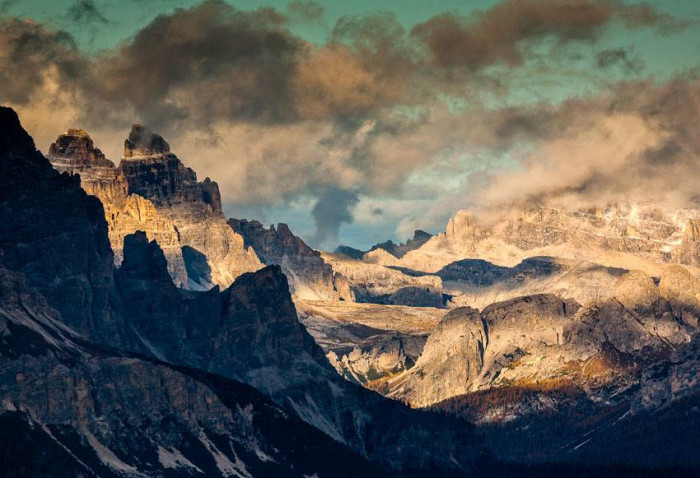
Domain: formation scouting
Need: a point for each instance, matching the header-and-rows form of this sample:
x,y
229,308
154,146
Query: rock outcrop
x,y
57,239
396,250
622,235
70,408
452,359
542,338
309,276
74,151
375,283
468,349
152,191
399,250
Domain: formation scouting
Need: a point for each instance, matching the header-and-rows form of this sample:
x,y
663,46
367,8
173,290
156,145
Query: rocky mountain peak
x,y
309,275
13,138
75,150
144,142
152,171
421,235
636,289
399,250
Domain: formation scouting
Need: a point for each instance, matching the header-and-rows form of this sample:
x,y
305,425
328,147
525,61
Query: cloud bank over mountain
x,y
380,110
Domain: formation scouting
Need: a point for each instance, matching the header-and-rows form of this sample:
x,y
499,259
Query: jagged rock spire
x,y
75,149
144,142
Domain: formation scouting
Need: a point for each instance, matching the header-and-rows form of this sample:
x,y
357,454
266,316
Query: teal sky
x,y
550,74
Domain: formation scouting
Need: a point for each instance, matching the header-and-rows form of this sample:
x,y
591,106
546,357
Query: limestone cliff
x,y
152,191
309,275
56,237
620,235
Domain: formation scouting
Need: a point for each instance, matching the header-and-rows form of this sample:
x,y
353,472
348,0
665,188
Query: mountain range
x,y
144,333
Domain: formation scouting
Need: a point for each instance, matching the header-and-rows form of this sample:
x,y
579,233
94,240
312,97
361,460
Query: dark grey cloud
x,y
619,57
6,6
333,209
272,117
205,63
502,33
85,12
224,64
31,55
305,10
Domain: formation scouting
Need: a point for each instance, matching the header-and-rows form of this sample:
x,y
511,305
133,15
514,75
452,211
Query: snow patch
x,y
310,413
223,463
151,348
107,457
47,430
173,458
50,331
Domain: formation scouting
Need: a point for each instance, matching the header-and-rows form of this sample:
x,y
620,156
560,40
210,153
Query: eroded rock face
x,y
150,170
152,191
376,283
248,332
53,232
470,349
621,235
66,404
309,276
374,359
75,148
637,319
544,339
451,361
682,290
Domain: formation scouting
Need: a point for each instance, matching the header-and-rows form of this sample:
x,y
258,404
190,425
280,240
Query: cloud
x,y
85,12
202,64
636,143
501,33
305,10
333,208
618,56
376,111
28,51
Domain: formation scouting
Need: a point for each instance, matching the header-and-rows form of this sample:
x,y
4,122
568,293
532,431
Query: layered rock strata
x,y
152,191
310,278
249,332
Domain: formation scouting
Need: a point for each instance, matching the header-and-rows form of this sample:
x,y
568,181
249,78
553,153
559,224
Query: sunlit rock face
x,y
76,150
125,213
468,349
152,171
310,278
631,236
152,191
544,339
377,283
215,253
